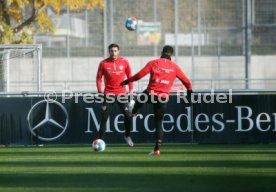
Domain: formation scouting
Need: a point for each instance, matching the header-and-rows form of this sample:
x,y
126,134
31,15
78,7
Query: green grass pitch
x,y
182,167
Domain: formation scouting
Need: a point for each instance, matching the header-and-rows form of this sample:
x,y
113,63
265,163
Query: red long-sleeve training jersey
x,y
162,75
114,72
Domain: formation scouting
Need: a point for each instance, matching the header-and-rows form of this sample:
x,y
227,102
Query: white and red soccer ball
x,y
98,145
131,24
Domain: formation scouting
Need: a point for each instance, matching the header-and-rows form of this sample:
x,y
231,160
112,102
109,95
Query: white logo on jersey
x,y
115,72
121,67
167,70
165,82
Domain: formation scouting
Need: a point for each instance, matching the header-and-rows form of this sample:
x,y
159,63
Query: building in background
x,y
209,37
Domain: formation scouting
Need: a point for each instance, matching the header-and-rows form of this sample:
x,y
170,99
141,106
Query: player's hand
x,y
100,94
131,92
125,82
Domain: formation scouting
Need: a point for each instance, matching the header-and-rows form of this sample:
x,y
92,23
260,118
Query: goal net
x,y
20,68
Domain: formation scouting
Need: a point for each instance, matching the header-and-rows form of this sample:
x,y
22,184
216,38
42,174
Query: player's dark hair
x,y
113,45
167,52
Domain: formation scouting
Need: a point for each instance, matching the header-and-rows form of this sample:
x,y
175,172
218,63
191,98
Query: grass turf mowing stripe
x,y
119,168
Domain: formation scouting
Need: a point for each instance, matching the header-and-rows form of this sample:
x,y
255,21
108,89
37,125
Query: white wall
x,y
80,73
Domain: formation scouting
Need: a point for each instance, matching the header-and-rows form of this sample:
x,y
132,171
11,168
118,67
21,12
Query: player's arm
x,y
182,77
129,74
99,78
138,75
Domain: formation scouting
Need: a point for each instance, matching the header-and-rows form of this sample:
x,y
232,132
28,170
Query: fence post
x,y
248,39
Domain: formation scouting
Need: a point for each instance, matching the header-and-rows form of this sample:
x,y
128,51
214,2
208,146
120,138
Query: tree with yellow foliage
x,y
19,19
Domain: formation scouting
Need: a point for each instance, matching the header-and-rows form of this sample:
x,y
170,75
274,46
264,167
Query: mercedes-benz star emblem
x,y
49,120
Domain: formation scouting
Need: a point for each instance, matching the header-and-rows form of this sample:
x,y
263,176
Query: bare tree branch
x,y
28,21
5,14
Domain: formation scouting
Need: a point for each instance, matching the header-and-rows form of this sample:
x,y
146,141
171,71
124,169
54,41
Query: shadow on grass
x,y
136,152
139,182
155,163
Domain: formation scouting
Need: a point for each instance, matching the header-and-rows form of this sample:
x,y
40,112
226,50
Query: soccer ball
x,y
131,23
98,145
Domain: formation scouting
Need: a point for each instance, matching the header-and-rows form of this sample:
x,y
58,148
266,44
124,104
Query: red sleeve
x,y
99,78
141,73
182,77
129,74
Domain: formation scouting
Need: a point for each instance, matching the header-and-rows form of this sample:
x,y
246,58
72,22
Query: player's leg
x,y
124,106
159,111
140,100
106,109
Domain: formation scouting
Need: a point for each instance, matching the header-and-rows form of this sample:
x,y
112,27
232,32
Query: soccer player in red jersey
x,y
114,69
163,72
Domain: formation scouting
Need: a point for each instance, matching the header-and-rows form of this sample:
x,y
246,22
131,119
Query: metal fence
x,y
203,25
